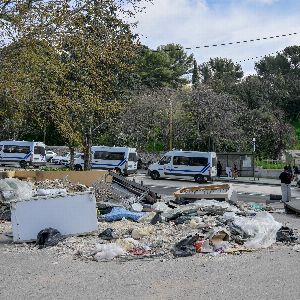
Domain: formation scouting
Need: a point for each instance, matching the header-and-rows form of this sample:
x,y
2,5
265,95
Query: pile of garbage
x,y
206,227
132,226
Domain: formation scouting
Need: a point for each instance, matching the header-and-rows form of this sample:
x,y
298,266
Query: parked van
x,y
22,152
200,166
121,159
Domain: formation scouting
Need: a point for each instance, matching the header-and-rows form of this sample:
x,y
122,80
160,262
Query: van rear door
x,y
39,154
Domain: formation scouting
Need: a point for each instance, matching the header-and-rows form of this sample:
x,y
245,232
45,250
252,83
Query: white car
x,y
66,161
58,158
50,155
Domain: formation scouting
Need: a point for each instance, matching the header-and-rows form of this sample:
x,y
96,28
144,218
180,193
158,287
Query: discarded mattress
x,y
218,192
70,214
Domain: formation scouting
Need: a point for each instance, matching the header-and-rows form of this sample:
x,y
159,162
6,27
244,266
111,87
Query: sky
x,y
193,23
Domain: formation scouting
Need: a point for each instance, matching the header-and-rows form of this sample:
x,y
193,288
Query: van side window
x,y
115,156
109,155
181,160
9,149
23,149
100,154
1,147
198,161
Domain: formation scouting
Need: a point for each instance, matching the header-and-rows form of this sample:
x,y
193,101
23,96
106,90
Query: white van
x,y
200,166
121,159
22,152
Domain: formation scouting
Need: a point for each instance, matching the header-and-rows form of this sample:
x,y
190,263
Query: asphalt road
x,y
271,273
245,191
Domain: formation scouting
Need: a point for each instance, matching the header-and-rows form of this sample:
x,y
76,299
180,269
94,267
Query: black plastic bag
x,y
185,247
48,237
285,235
107,234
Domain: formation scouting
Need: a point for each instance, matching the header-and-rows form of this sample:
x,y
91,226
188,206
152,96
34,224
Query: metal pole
x,y
253,140
171,126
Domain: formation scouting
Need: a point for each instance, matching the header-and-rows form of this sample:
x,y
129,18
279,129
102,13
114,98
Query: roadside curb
x,y
261,182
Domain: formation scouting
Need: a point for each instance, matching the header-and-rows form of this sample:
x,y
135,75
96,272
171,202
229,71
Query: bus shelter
x,y
243,160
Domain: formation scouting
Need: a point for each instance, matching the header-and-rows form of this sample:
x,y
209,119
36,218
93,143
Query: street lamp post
x,y
171,125
253,142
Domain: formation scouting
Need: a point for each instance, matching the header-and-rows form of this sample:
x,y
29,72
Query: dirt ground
x,y
265,274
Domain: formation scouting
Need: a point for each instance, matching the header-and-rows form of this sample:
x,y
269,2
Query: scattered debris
x,y
285,235
118,213
108,234
135,223
48,237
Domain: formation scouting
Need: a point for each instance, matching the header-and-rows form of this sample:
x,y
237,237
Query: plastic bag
x,y
48,237
261,229
118,213
14,189
185,247
108,251
161,207
107,234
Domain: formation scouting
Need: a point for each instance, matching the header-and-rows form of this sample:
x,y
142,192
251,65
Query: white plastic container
x,y
70,214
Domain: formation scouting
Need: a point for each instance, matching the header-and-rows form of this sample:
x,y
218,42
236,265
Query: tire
x,y
199,178
154,175
78,168
23,164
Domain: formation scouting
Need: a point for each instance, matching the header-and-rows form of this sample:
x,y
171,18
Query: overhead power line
x,y
260,56
232,43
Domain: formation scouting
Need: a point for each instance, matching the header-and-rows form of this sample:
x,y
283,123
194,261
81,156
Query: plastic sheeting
x,y
118,213
15,189
261,229
108,251
213,203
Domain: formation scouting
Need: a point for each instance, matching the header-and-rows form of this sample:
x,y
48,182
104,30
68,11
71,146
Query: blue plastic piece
x,y
118,213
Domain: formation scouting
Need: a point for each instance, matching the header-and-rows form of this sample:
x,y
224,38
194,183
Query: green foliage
x,y
221,73
266,164
165,67
296,125
195,75
281,77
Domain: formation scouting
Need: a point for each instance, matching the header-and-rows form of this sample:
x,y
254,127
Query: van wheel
x,y
23,164
199,178
154,175
78,168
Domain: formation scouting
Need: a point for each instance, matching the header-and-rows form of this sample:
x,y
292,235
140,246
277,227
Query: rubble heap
x,y
130,227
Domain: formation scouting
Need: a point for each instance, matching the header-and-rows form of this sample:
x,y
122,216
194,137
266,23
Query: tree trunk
x,y
87,151
72,152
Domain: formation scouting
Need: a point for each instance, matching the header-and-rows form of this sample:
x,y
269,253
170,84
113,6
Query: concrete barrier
x,y
7,174
83,177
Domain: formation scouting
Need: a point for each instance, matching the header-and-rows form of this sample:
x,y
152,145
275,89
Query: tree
x,y
94,48
221,74
195,76
282,74
213,120
168,66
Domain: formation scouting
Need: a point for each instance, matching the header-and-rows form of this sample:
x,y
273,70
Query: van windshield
x,y
132,157
165,160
